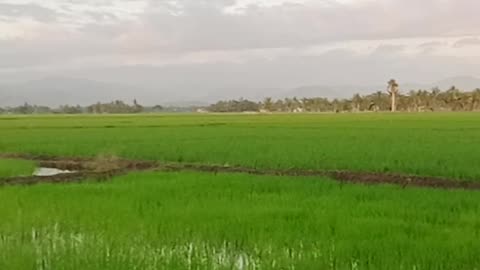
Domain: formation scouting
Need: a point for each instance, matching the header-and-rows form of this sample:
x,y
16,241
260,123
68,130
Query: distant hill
x,y
59,91
466,83
330,92
55,91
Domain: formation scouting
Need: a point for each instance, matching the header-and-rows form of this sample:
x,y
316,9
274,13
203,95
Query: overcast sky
x,y
269,43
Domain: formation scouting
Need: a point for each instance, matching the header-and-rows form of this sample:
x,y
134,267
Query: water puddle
x,y
50,172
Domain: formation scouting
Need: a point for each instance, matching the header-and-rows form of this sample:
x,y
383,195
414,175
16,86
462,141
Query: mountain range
x,y
55,91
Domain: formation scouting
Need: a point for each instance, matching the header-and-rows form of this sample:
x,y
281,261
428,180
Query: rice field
x,y
422,144
12,167
193,220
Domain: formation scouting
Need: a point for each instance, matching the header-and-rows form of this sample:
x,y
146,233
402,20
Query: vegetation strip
x,y
104,169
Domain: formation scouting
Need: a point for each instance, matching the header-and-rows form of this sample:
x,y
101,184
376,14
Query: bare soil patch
x,y
103,168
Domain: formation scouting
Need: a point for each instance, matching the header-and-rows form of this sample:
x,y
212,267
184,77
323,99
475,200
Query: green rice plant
x,y
435,144
236,221
12,167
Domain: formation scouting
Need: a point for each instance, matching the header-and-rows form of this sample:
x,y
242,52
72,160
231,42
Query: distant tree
x,y
378,101
66,109
268,104
42,109
475,100
157,108
137,108
24,109
289,104
335,105
241,105
279,106
435,99
357,101
393,90
114,107
453,99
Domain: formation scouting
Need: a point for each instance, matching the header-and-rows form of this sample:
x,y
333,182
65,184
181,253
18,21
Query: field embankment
x,y
102,169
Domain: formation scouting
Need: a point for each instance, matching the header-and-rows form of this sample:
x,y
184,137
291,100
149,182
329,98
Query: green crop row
x,y
437,144
236,221
11,168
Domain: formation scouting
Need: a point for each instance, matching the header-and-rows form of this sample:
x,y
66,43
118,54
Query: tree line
x,y
392,99
114,107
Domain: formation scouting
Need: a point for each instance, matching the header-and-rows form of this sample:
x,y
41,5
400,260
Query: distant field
x,y
214,220
424,144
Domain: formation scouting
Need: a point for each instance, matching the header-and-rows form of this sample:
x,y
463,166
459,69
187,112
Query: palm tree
x,y
434,94
357,101
476,99
289,104
413,100
379,101
453,98
268,104
392,89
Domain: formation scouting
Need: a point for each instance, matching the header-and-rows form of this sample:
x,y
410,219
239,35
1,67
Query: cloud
x,y
389,49
467,42
68,34
431,46
11,11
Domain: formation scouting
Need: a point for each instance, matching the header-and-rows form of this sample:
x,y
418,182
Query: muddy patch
x,y
64,170
404,180
71,170
60,178
365,178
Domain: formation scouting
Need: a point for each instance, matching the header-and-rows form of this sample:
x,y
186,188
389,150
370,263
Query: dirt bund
x,y
104,168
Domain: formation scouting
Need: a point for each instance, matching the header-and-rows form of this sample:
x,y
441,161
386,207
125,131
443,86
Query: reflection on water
x,y
49,172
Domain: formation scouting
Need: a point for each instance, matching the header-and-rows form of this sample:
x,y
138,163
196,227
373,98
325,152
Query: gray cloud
x,y
467,42
389,49
431,44
431,47
197,38
203,26
11,11
263,77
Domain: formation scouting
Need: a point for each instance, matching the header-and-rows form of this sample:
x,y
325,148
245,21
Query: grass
x,y
440,144
236,221
12,167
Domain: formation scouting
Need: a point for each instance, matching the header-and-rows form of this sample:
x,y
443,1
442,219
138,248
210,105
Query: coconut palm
x,y
414,101
392,89
434,95
268,104
453,98
476,99
357,101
